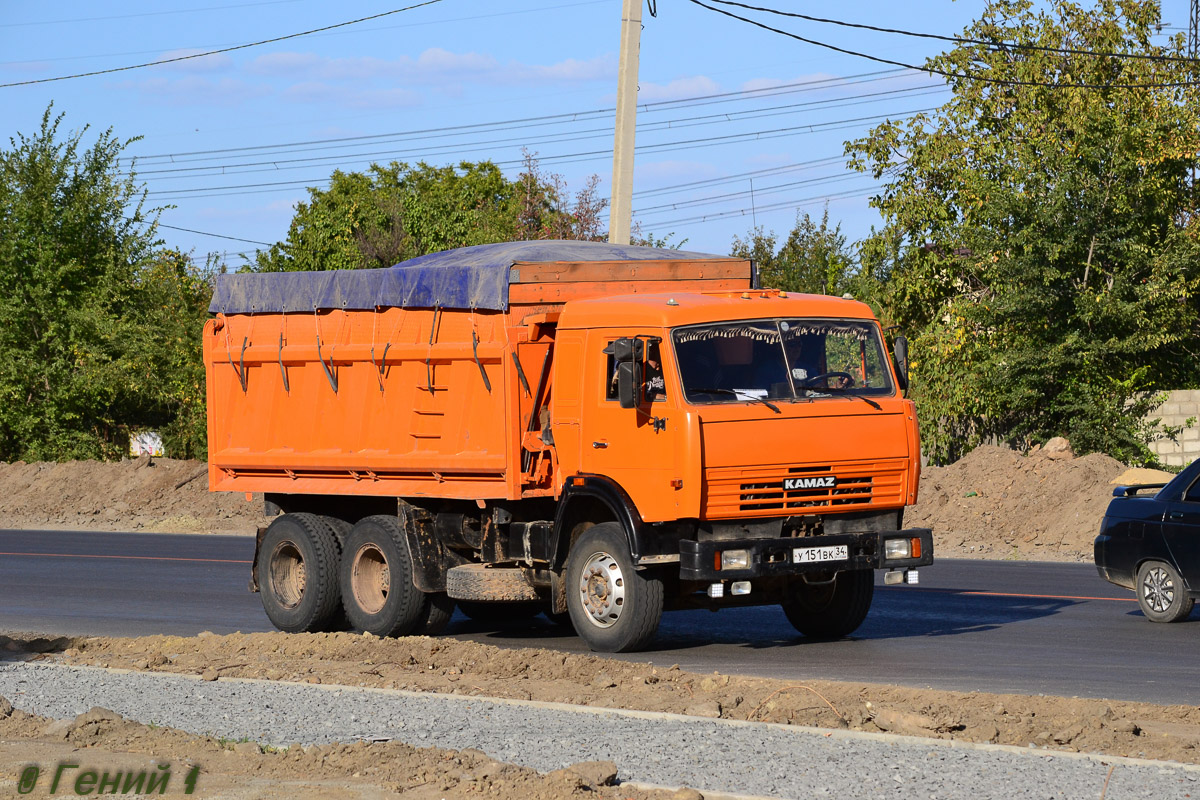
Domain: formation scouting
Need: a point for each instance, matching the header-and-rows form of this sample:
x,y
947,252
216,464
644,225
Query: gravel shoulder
x,y
714,755
447,666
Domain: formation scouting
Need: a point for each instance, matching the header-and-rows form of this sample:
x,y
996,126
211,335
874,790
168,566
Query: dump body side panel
x,y
390,402
394,402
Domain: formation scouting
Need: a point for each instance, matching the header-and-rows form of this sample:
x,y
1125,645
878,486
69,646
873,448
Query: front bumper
x,y
778,557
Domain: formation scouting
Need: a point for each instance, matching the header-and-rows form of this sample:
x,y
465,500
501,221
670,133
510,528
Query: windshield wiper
x,y
847,393
739,395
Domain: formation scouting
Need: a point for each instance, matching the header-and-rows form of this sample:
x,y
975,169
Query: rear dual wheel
x,y
297,574
376,579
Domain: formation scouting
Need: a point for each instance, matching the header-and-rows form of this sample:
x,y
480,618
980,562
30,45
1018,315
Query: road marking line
x,y
138,558
1055,596
1011,594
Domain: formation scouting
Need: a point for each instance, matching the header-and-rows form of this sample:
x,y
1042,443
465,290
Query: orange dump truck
x,y
593,431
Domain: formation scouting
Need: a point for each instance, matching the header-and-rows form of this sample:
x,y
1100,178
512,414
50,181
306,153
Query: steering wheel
x,y
814,378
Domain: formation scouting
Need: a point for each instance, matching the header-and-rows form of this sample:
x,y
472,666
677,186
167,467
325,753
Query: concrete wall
x,y
1180,405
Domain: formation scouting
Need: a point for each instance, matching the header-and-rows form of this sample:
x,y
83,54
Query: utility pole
x,y
620,213
1193,28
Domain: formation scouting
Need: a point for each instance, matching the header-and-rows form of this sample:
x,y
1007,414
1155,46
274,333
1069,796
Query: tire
x,y
834,610
377,581
340,529
480,582
614,607
1161,593
439,608
500,613
297,572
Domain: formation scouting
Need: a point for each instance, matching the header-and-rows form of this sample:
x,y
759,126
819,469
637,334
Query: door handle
x,y
1174,515
599,445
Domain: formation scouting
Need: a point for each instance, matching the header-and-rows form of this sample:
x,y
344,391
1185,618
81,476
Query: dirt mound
x,y
474,669
994,503
997,503
102,740
161,494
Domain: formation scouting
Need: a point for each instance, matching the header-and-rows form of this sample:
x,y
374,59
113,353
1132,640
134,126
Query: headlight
x,y
897,548
735,559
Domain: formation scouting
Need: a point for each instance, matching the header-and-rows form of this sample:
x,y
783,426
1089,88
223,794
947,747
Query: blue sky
x,y
231,140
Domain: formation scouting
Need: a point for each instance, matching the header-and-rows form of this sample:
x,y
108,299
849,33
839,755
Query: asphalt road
x,y
997,626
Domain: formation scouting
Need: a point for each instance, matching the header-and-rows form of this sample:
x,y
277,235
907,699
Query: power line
x,y
442,21
562,118
277,164
214,235
744,212
679,187
992,44
944,73
143,14
720,198
685,144
221,50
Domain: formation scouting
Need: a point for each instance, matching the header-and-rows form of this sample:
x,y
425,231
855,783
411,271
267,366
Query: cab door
x,y
634,447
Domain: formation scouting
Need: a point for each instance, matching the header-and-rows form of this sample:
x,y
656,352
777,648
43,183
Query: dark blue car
x,y
1150,542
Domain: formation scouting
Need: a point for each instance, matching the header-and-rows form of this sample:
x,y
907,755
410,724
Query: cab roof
x,y
667,310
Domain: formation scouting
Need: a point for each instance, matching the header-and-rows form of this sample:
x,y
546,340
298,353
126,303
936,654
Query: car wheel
x,y
1161,593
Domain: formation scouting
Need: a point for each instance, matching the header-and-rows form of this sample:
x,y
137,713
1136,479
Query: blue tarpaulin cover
x,y
468,277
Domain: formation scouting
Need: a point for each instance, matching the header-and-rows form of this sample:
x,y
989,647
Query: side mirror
x,y
900,348
629,383
625,350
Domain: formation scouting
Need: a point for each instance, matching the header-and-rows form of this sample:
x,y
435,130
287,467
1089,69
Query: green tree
x,y
166,350
815,258
396,212
73,234
1040,247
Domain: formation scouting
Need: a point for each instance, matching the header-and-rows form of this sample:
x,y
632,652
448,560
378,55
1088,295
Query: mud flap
x,y
558,592
430,559
258,537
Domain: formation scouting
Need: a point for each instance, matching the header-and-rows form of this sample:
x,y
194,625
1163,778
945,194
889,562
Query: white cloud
x,y
434,67
327,94
196,91
679,88
756,84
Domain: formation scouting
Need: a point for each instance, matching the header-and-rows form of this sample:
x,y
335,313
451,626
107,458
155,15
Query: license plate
x,y
814,555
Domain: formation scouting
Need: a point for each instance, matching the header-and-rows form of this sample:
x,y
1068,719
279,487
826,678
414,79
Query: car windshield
x,y
781,359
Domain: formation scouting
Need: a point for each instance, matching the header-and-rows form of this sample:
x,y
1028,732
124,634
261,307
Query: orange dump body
x,y
414,402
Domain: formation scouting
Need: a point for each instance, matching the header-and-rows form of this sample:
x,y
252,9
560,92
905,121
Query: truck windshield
x,y
781,359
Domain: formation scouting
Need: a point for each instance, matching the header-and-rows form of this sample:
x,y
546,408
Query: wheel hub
x,y
1158,589
602,590
370,579
287,574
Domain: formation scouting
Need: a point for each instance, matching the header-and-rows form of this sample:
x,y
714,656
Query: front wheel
x,y
1161,593
614,607
377,583
832,609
